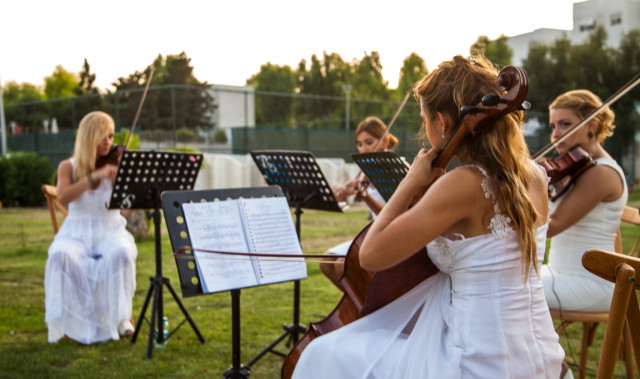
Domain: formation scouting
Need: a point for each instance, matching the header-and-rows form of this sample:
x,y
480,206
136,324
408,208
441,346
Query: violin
x,y
366,291
116,151
564,170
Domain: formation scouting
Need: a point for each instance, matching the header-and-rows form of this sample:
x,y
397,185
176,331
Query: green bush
x,y
185,135
121,137
220,136
21,176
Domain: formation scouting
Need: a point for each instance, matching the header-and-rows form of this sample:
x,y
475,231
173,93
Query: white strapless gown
x,y
90,275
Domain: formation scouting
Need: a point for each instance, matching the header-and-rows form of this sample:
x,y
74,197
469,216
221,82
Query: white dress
x,y
567,284
476,318
90,276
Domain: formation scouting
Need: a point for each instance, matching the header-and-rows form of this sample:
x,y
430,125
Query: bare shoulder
x,y
461,182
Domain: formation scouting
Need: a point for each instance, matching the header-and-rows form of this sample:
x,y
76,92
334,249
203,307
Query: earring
x,y
443,134
590,134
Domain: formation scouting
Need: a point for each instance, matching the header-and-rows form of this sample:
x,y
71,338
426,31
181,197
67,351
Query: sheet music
x,y
219,226
262,225
270,229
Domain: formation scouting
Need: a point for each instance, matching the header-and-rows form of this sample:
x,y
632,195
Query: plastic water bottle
x,y
165,332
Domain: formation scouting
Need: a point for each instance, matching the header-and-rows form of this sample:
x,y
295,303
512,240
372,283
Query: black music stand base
x,y
157,310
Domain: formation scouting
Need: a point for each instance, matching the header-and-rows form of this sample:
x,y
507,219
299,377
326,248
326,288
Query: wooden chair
x,y
55,206
624,314
590,320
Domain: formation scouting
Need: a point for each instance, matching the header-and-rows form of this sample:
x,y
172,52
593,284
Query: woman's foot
x,y
125,329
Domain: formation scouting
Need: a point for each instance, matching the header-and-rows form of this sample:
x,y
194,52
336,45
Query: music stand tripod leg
x,y
157,309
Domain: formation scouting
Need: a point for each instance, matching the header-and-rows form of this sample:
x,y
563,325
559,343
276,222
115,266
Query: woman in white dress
x,y
90,272
587,215
368,135
483,315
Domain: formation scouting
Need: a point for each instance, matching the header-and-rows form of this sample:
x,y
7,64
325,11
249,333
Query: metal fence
x,y
239,120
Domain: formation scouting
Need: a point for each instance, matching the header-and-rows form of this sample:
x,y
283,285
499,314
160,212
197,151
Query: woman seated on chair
x,y
588,214
368,135
90,275
483,315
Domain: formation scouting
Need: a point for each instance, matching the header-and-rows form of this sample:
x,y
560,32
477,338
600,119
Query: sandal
x,y
125,329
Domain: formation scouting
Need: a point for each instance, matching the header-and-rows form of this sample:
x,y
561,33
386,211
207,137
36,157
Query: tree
x,y
15,95
548,69
498,51
413,69
627,66
323,83
178,101
271,108
61,83
13,92
86,87
88,98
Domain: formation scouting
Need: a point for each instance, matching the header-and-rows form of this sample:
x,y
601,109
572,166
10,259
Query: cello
x,y
367,291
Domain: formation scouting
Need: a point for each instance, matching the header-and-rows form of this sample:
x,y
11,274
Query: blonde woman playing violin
x,y
588,214
90,275
368,134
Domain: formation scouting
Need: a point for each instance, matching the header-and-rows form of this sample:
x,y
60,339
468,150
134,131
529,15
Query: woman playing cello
x,y
484,224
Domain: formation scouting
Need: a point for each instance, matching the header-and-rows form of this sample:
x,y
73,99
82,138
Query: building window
x,y
587,24
616,19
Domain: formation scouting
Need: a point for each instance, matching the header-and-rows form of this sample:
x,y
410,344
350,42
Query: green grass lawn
x,y
25,352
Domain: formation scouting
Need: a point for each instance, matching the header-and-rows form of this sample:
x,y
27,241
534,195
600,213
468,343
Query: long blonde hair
x,y
499,147
94,127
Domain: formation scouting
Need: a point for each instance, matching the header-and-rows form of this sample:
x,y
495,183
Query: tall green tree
x,y
272,84
61,83
498,50
87,79
322,82
178,100
413,69
88,96
548,69
627,66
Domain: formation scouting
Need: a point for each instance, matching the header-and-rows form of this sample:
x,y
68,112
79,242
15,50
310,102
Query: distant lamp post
x,y
347,88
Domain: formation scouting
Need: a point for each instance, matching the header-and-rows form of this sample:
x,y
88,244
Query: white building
x,y
618,17
235,106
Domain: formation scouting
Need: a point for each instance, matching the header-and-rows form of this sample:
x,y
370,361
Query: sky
x,y
228,40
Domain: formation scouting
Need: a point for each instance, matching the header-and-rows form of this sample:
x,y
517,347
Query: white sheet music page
x,y
219,226
270,229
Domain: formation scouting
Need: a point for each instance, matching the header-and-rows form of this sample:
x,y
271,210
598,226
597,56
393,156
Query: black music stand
x,y
305,186
188,271
384,169
141,178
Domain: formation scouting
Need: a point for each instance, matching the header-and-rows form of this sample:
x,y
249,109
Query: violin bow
x,y
393,119
612,99
183,253
144,95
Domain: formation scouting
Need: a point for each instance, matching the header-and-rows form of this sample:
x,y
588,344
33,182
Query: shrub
x,y
185,135
21,176
220,136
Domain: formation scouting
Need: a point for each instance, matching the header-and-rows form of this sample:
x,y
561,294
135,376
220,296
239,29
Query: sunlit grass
x,y
25,353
